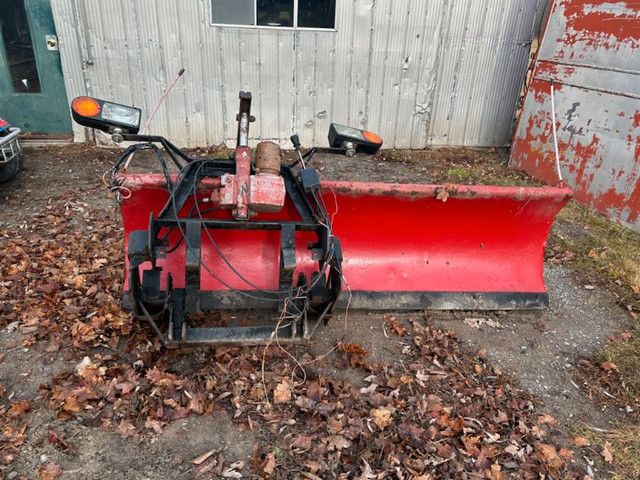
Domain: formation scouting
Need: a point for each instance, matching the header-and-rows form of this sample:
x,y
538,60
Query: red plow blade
x,y
404,246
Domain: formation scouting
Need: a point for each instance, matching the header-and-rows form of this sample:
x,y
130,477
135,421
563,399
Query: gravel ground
x,y
576,325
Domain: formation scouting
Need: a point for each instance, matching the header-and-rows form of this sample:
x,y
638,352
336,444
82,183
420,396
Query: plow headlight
x,y
105,116
341,136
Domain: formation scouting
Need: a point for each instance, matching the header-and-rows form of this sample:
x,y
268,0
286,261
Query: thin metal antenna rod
x,y
155,110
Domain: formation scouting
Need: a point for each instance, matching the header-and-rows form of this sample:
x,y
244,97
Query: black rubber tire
x,y
9,170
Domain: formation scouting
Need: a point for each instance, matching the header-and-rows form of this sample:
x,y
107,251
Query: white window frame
x,y
255,26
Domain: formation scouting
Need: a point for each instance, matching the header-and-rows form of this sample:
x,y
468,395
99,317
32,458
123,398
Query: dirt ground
x,y
539,350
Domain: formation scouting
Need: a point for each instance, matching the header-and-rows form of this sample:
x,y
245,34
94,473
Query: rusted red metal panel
x,y
591,49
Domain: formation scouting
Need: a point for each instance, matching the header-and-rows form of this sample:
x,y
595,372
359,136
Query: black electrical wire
x,y
226,261
135,148
175,247
202,264
306,155
238,274
172,189
179,242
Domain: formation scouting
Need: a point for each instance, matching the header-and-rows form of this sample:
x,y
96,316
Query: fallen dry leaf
x,y
71,404
608,366
311,476
367,472
547,419
269,464
474,322
127,429
543,327
606,453
154,425
580,442
549,456
381,417
477,322
337,442
334,424
50,471
495,473
302,443
282,392
623,337
566,454
313,465
232,470
18,409
512,450
442,194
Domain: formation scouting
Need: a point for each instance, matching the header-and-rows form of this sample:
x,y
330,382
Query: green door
x,y
32,93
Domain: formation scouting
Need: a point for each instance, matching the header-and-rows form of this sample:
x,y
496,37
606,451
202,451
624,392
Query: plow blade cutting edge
x,y
403,246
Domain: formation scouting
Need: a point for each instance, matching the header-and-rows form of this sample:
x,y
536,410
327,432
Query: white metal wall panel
x,y
315,69
416,72
443,72
71,48
484,56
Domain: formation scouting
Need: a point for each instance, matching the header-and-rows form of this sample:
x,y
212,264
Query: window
x,y
317,14
16,34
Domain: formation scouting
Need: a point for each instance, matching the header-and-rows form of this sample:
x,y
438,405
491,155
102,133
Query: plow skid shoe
x,y
403,246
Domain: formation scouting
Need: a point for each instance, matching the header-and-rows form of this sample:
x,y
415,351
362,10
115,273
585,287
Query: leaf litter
x,y
432,413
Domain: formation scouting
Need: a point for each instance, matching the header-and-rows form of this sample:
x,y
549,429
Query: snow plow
x,y
251,232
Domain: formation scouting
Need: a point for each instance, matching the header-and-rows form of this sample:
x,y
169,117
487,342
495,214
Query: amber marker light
x,y
109,117
86,106
372,137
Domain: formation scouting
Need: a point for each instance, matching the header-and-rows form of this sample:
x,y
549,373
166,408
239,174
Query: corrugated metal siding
x,y
442,72
485,50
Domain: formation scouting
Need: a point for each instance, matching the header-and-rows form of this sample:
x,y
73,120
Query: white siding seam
x,y
432,105
223,90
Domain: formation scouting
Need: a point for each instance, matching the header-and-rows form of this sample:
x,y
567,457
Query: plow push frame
x,y
248,232
294,295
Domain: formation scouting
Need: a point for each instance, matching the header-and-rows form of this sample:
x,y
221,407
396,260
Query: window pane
x,y
232,12
275,13
17,42
316,13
